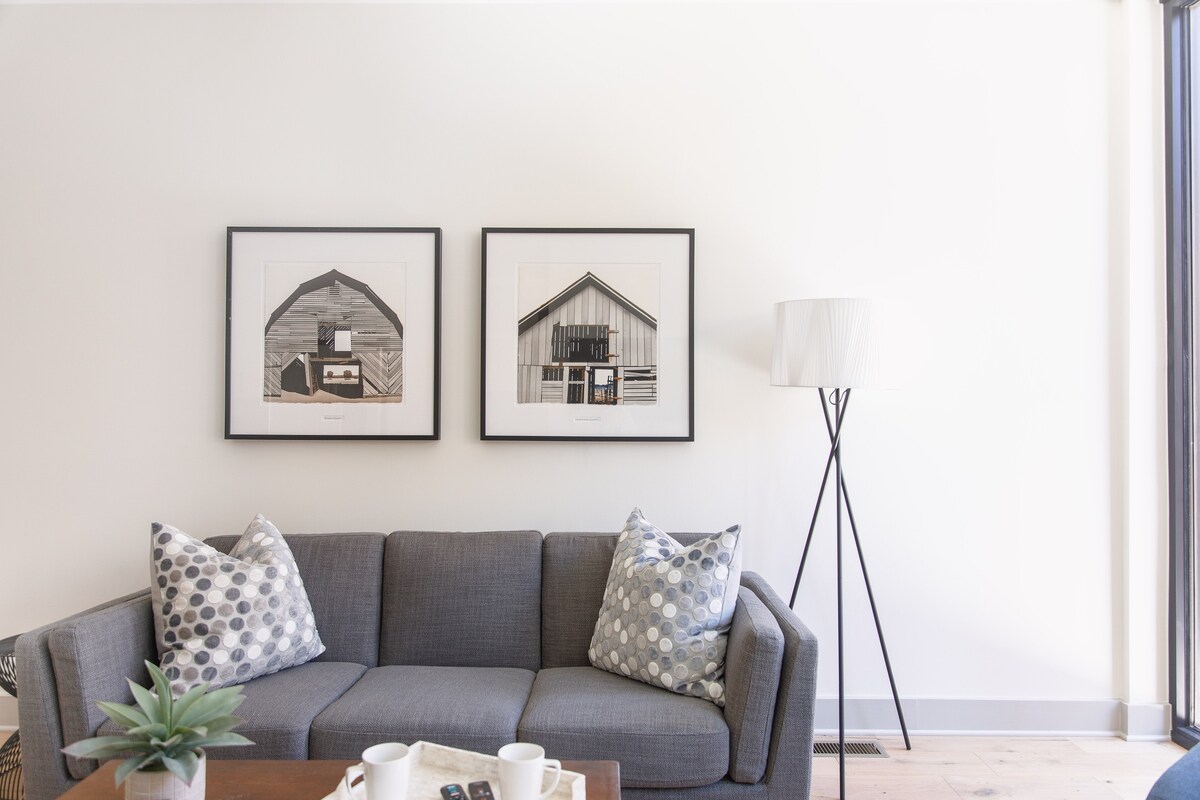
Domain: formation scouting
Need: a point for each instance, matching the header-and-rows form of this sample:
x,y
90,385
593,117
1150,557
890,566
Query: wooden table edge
x,y
253,782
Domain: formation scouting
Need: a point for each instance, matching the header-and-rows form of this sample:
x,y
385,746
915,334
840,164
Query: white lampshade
x,y
826,343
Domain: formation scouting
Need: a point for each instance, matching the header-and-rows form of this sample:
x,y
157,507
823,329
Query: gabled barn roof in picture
x,y
589,344
333,340
328,280
589,279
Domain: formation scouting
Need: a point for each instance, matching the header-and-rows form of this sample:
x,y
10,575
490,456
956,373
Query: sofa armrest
x,y
789,758
57,695
752,665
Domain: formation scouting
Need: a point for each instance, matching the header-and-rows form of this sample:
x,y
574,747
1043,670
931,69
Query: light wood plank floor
x,y
964,768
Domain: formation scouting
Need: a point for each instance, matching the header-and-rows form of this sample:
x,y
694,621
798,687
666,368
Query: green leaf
x,y
106,747
162,688
147,702
220,703
191,763
184,702
224,740
155,730
220,725
123,715
184,767
131,765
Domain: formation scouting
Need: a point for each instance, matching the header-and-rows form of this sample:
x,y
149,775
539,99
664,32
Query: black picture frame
x,y
333,333
587,334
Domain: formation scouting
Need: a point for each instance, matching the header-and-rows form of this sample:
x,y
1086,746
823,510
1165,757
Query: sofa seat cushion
x,y
662,739
473,708
280,707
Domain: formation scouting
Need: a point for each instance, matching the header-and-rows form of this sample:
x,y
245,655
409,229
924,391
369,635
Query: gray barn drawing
x,y
588,345
334,335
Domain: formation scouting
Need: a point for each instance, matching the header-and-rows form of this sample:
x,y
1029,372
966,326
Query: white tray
x,y
434,766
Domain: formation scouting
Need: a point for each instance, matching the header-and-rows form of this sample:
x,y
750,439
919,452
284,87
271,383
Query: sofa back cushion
x,y
462,599
574,574
342,574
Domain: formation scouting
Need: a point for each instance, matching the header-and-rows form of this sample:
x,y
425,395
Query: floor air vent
x,y
859,748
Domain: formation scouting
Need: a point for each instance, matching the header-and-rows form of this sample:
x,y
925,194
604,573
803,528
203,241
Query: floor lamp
x,y
831,344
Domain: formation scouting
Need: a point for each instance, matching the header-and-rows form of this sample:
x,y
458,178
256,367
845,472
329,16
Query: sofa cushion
x,y
279,708
462,599
662,739
226,619
574,573
473,708
342,574
667,609
752,668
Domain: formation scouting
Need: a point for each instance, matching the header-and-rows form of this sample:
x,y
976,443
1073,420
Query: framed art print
x,y
332,333
587,334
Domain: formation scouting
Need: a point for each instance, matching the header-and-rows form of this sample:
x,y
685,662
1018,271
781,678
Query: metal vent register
x,y
855,748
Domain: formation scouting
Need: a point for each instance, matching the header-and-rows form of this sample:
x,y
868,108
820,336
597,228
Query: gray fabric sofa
x,y
472,640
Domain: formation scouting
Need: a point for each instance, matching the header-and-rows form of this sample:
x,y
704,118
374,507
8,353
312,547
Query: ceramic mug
x,y
384,770
522,768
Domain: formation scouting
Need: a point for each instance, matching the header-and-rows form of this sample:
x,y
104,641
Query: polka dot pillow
x,y
225,619
667,609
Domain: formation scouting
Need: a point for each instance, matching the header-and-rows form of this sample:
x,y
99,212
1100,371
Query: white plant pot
x,y
165,786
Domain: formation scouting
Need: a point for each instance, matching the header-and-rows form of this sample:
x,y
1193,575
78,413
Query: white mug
x,y
384,770
522,766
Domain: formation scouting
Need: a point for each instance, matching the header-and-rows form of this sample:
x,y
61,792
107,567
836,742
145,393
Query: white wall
x,y
951,160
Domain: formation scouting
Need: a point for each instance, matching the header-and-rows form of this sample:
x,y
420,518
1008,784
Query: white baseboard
x,y
1146,722
876,716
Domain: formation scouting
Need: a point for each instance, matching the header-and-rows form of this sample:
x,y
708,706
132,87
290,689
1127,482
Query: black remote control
x,y
481,790
452,791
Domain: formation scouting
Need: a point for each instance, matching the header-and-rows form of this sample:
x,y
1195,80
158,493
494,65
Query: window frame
x,y
1178,65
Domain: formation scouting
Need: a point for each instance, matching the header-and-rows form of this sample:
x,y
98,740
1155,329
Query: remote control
x,y
452,791
481,790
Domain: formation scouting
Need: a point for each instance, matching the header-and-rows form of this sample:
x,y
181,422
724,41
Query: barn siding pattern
x,y
383,373
374,339
296,330
635,344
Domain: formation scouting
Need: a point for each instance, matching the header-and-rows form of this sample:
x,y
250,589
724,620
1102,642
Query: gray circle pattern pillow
x,y
225,619
668,608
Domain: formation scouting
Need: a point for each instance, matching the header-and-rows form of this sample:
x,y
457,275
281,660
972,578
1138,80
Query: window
x,y
580,343
332,338
1182,29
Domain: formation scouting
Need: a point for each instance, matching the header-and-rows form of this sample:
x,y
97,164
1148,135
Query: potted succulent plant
x,y
165,737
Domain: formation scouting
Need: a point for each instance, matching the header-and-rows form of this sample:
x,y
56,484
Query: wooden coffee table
x,y
307,780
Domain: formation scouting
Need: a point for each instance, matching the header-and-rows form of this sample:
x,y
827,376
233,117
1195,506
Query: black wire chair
x,y
12,782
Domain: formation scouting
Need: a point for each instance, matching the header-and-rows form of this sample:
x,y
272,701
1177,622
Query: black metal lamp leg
x,y
839,397
812,525
835,436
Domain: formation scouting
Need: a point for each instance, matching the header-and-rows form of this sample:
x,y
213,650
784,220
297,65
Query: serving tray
x,y
434,766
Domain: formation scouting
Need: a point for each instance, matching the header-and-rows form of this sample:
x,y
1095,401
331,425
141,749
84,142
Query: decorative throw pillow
x,y
667,609
224,619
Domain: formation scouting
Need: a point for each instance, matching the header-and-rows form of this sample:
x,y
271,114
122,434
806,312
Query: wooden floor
x,y
957,768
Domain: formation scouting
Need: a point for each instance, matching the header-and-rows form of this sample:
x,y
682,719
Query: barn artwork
x,y
333,340
593,340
